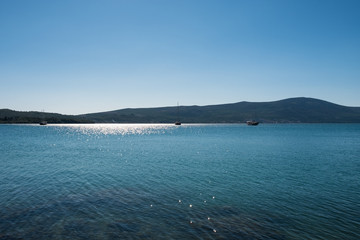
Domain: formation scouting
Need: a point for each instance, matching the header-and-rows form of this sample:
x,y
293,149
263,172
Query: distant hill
x,y
292,110
10,116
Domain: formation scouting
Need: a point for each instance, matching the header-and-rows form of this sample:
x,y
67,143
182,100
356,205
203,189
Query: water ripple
x,y
158,181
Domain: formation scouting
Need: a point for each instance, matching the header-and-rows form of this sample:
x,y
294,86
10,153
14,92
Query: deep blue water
x,y
295,181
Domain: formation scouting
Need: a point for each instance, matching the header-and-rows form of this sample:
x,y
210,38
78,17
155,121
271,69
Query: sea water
x,y
158,181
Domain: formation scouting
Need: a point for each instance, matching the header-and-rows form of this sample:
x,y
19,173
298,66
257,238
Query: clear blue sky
x,y
81,56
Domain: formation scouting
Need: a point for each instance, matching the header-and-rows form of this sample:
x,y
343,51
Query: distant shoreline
x,y
292,110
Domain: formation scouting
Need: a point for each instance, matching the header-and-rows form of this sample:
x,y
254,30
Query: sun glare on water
x,y
117,129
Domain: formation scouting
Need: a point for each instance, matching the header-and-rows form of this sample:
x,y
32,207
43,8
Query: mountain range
x,y
292,110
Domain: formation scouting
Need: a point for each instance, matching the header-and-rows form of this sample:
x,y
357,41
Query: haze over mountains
x,y
292,110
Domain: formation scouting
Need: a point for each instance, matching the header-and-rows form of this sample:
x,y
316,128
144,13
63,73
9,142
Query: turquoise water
x,y
295,181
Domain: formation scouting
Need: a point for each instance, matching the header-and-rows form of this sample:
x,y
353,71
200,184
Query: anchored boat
x,y
252,123
178,123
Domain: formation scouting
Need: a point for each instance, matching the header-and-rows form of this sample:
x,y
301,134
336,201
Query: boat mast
x,y
178,114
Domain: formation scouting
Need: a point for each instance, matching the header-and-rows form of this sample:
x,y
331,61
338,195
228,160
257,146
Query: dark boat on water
x,y
252,123
42,123
177,123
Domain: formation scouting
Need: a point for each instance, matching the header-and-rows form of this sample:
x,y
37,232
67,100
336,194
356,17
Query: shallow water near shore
x,y
160,181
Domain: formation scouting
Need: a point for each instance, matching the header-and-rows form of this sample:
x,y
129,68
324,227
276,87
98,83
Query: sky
x,y
84,56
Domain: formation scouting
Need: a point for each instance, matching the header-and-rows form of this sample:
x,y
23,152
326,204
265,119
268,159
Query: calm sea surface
x,y
295,181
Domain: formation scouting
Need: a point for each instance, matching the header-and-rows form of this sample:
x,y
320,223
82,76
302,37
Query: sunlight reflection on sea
x,y
117,129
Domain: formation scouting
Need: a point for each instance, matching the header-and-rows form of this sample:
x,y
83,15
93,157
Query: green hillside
x,y
293,110
10,116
